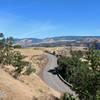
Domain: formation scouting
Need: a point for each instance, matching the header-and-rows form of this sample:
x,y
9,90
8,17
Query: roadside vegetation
x,y
83,72
17,46
10,57
66,96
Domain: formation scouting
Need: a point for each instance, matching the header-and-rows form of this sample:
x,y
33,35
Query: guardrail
x,y
70,85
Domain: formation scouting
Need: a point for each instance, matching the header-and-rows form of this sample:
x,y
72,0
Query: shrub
x,y
84,76
29,70
66,96
17,46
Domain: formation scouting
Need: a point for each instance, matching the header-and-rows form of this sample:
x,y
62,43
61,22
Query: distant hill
x,y
55,41
26,41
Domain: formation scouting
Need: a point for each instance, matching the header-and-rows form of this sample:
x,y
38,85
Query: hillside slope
x,y
11,89
26,87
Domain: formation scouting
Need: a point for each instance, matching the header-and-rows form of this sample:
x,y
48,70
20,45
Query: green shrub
x,y
84,76
66,96
29,70
17,46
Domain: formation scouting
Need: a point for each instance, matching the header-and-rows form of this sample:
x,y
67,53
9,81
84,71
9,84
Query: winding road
x,y
50,77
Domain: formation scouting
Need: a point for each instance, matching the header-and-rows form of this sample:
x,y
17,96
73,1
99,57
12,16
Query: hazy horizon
x,y
56,37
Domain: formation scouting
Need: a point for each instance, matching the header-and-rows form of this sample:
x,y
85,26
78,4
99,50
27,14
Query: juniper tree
x,y
83,75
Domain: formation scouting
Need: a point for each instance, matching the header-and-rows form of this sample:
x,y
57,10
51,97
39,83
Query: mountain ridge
x,y
60,40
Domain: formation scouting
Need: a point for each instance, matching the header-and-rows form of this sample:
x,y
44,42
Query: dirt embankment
x,y
11,89
36,57
27,87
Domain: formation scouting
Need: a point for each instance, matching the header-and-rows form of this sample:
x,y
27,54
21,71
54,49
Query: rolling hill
x,y
55,41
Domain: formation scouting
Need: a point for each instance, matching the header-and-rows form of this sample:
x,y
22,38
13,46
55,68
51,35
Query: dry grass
x,y
39,60
12,89
34,82
27,87
36,57
29,52
64,51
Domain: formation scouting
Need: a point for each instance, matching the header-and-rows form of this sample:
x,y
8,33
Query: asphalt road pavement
x,y
50,77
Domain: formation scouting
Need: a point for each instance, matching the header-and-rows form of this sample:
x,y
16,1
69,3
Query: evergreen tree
x,y
10,57
83,75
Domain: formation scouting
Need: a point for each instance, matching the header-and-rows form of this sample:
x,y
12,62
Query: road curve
x,y
52,79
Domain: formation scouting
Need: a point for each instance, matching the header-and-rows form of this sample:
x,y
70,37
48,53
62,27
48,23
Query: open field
x,y
64,51
36,57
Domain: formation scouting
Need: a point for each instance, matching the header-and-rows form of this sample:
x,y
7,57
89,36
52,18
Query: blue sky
x,y
48,18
